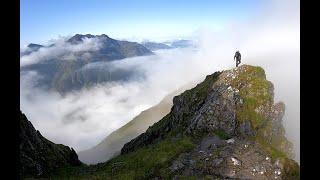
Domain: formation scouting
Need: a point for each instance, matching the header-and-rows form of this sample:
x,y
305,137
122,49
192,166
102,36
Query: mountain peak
x,y
104,35
79,37
31,45
237,101
226,113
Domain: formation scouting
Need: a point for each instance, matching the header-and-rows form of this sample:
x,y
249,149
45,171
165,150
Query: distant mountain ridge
x,y
182,43
36,46
66,75
155,46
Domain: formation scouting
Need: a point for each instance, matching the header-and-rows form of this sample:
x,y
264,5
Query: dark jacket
x,y
237,55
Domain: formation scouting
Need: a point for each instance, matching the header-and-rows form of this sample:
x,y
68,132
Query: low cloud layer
x,y
61,50
82,119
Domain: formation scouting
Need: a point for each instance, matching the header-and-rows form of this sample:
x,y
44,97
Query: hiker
x,y
237,56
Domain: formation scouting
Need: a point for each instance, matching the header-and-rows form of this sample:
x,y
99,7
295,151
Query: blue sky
x,y
42,20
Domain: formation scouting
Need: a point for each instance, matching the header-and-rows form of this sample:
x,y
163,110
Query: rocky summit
x,y
235,127
39,156
226,127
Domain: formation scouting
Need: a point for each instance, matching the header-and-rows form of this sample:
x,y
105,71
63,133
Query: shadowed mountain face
x,y
35,46
227,127
66,74
31,48
39,156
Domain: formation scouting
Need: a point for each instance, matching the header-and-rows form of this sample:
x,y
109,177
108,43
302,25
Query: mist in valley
x,y
81,119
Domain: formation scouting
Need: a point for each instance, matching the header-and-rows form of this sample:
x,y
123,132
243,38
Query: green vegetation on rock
x,y
255,90
222,134
291,169
140,164
273,151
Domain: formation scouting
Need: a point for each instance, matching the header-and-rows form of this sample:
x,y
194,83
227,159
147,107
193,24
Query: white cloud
x,y
61,50
82,119
270,40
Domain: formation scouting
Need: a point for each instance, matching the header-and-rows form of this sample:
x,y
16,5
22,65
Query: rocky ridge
x,y
39,156
234,106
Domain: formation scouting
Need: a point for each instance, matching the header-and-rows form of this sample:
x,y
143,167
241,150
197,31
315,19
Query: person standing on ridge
x,y
237,56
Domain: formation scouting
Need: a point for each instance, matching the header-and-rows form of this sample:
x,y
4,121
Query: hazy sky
x,y
42,20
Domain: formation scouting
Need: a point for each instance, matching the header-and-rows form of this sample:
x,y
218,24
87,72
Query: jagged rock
x,y
234,161
176,166
217,161
217,104
39,156
244,128
230,141
238,103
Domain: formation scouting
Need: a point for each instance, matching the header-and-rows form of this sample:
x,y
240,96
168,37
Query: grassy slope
x,y
140,164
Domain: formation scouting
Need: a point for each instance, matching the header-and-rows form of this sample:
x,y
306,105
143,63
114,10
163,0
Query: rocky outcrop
x,y
235,158
39,156
235,104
